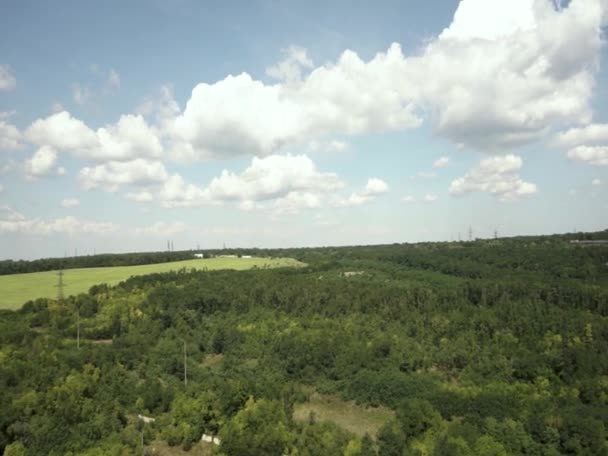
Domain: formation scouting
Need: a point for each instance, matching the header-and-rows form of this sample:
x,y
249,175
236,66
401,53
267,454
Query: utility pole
x,y
185,366
78,326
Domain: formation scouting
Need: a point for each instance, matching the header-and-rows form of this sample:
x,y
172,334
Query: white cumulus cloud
x,y
114,174
129,138
441,162
374,188
593,155
589,135
495,175
43,163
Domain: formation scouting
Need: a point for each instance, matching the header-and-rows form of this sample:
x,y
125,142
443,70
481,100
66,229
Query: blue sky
x,y
276,124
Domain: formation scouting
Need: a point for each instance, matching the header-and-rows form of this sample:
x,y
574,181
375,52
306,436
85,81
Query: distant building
x,y
590,243
146,419
199,255
246,256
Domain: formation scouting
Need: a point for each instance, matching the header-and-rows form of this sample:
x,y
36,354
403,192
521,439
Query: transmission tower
x,y
470,234
495,234
60,285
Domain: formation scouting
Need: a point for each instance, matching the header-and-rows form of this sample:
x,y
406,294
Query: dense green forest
x,y
496,347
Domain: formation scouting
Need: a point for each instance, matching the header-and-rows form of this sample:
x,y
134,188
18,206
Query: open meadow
x,y
16,289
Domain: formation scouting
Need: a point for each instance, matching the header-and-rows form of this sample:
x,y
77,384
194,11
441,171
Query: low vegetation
x,y
19,288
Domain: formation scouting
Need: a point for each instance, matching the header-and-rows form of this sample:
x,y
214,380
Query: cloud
x,y
528,67
43,163
407,198
272,177
114,174
129,138
429,198
589,135
70,202
374,188
7,78
61,131
497,176
330,146
289,70
106,84
175,192
161,229
239,115
441,162
12,221
289,179
142,196
596,182
293,202
81,94
161,108
593,155
10,137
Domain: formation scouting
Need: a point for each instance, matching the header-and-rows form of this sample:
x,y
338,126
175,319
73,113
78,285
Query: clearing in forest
x,y
20,288
348,415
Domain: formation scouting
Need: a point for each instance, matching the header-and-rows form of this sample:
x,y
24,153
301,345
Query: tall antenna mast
x,y
470,233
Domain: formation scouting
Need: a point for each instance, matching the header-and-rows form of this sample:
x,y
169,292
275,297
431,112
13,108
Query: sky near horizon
x,y
278,123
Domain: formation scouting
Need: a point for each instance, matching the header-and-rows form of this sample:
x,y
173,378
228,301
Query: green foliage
x,y
483,348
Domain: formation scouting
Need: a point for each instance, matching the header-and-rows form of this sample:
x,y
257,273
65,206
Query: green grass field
x,y
347,415
17,289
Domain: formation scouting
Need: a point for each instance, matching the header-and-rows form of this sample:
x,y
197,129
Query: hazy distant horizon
x,y
124,124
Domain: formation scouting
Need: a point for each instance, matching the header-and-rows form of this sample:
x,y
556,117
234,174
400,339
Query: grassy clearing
x,y
347,415
160,448
17,289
